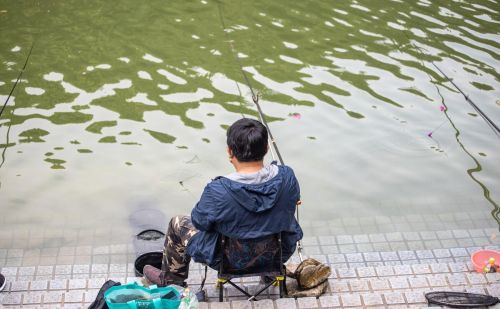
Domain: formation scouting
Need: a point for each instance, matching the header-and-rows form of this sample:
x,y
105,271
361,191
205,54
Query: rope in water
x,y
255,99
18,79
485,117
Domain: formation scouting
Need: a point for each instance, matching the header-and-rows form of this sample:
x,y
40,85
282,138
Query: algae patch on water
x,y
161,137
84,150
57,164
33,136
97,127
482,86
108,139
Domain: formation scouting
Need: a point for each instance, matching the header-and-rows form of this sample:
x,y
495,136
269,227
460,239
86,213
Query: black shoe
x,y
2,282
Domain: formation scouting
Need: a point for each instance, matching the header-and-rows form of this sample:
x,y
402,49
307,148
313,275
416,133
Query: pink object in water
x,y
295,115
429,134
480,259
442,108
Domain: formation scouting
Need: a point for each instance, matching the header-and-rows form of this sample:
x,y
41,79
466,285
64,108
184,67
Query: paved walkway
x,y
389,270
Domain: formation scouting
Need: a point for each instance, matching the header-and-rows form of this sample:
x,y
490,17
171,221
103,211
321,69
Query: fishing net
x,y
460,299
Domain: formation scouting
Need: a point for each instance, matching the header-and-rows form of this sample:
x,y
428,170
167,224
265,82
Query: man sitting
x,y
253,202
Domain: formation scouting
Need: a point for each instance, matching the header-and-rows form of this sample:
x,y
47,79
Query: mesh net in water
x,y
460,299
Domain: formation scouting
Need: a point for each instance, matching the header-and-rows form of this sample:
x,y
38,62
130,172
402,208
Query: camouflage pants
x,y
175,264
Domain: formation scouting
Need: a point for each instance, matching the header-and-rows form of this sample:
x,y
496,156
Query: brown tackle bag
x,y
311,278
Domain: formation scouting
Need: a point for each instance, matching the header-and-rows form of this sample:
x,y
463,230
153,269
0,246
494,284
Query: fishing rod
x,y
255,99
18,79
485,117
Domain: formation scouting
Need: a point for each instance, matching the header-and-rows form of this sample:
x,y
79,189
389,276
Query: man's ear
x,y
230,152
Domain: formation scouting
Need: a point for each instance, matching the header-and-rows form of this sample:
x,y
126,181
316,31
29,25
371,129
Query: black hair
x,y
247,139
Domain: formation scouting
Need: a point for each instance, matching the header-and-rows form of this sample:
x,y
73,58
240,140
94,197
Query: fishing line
x,y
18,79
485,117
7,101
486,192
255,99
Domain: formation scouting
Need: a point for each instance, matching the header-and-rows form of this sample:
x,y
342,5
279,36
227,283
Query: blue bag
x,y
134,296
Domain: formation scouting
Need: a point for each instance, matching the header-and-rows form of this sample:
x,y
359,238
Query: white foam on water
x,y
142,97
481,7
329,24
90,68
200,71
290,59
472,23
162,86
15,49
204,2
370,33
103,66
418,32
9,63
172,77
429,19
69,88
262,14
340,50
53,77
395,26
215,52
290,45
340,11
124,59
34,90
242,55
184,97
178,20
268,60
226,85
151,58
447,12
20,81
2,83
277,24
258,25
343,22
194,36
240,27
360,7
144,75
486,17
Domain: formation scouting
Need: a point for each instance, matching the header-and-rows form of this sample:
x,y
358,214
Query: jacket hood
x,y
255,197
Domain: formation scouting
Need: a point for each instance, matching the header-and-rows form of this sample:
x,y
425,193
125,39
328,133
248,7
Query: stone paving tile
x,y
14,298
372,299
307,302
403,270
241,304
329,301
58,284
350,300
264,304
52,297
32,298
359,285
283,303
364,272
383,271
399,282
39,285
418,282
415,297
394,298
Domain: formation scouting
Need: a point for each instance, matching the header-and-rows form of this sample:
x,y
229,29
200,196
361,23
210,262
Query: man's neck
x,y
248,167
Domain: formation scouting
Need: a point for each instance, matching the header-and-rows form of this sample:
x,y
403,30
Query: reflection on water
x,y
117,103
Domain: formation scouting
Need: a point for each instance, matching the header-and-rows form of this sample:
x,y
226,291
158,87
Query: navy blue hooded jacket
x,y
245,211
